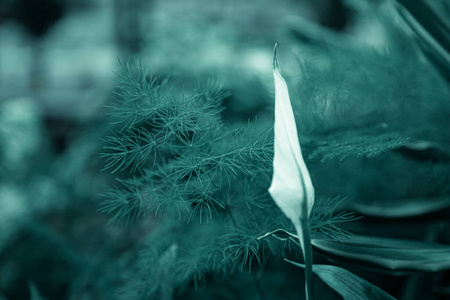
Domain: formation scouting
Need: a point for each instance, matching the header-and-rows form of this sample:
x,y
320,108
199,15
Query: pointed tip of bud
x,y
275,59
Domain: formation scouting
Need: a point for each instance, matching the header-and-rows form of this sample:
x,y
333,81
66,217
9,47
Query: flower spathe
x,y
291,186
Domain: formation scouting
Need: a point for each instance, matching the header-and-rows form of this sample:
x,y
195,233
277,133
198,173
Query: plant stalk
x,y
308,257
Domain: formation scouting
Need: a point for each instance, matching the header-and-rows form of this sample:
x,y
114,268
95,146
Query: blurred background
x,y
62,53
57,64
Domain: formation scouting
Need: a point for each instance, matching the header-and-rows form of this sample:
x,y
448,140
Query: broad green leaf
x,y
401,208
347,284
431,30
393,254
291,187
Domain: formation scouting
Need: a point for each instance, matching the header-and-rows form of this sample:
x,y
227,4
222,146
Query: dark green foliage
x,y
205,182
367,142
362,101
327,220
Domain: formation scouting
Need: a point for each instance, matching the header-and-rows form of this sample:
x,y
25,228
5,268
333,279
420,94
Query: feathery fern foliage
x,y
206,184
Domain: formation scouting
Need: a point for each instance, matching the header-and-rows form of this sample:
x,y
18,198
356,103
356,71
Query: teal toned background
x,y
371,99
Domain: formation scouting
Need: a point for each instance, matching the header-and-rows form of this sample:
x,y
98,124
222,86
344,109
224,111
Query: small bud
x,y
291,187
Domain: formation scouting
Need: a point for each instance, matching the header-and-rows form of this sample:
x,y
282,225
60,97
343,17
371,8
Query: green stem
x,y
308,257
305,234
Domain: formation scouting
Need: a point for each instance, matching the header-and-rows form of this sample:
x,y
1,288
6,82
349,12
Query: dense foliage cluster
x,y
205,183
